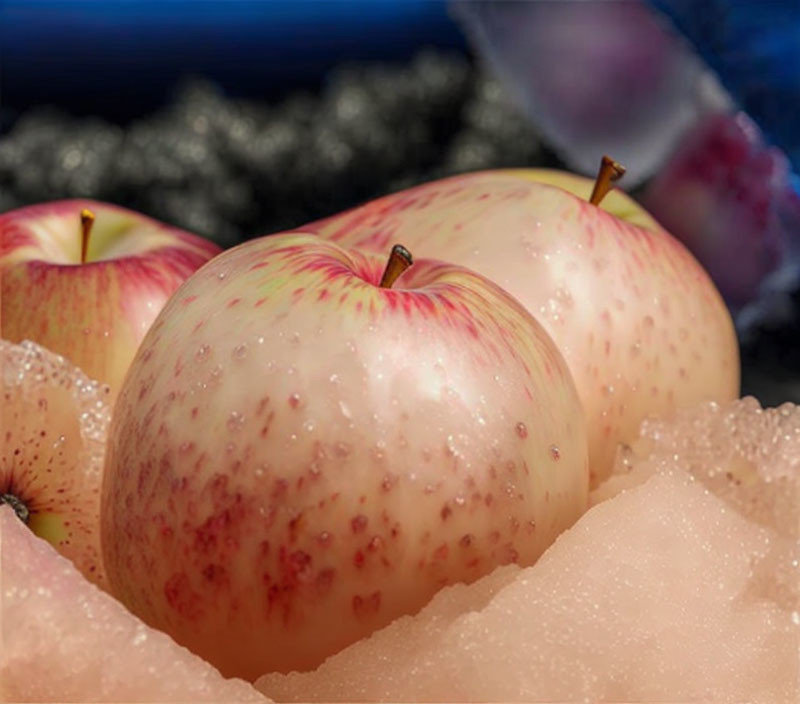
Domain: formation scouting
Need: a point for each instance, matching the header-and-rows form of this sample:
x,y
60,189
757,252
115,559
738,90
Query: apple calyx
x,y
608,172
87,220
18,505
399,260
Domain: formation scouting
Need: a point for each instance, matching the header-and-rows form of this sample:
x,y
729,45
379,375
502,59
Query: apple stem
x,y
399,260
609,172
87,220
18,505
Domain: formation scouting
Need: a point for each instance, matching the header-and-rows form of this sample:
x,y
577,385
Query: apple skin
x,y
54,423
639,322
94,314
298,456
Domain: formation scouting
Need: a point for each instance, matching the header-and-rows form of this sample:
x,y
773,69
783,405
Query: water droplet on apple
x,y
202,353
309,426
221,275
215,376
379,451
235,421
240,351
345,409
522,430
555,453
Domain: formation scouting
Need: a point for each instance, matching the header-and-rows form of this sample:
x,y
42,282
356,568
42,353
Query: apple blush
x,y
299,454
86,279
640,323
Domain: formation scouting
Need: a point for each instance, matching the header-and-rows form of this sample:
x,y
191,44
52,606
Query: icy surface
x,y
65,640
681,583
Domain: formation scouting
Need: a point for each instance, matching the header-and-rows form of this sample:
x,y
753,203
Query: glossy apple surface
x,y
96,312
642,327
298,456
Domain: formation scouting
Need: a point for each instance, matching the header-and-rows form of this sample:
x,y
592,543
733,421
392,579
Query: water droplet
x,y
379,451
555,453
345,409
522,430
240,351
221,275
139,638
309,426
202,353
235,421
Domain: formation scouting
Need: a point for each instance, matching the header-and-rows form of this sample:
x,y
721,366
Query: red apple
x,y
638,320
87,292
300,455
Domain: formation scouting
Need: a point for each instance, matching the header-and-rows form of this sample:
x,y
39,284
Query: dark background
x,y
236,119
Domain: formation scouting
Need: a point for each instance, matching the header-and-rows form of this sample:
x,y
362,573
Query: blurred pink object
x,y
728,197
596,77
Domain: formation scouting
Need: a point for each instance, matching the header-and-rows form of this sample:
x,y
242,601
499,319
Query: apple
x,y
53,427
299,455
640,323
86,279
